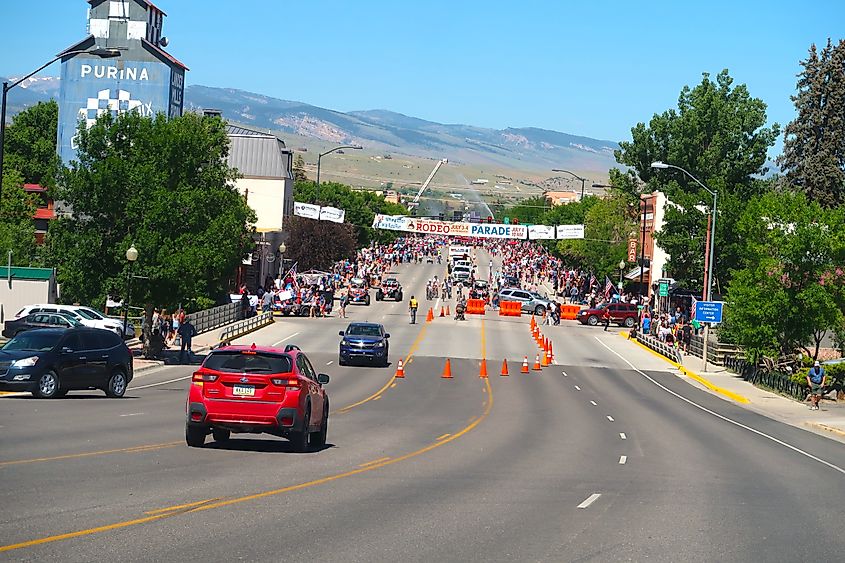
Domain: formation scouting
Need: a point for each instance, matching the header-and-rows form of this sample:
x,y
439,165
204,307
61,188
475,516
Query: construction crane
x,y
437,166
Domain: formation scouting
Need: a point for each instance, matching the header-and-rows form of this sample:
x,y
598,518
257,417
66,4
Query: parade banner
x,y
306,210
570,231
449,228
391,222
541,232
332,214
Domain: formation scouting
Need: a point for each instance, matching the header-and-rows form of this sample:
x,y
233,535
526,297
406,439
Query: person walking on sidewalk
x,y
413,304
816,380
186,334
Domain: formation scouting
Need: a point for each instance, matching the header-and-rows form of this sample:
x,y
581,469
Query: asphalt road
x,y
604,456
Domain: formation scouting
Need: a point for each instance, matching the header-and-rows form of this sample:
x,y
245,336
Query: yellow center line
x,y
443,436
379,460
392,379
181,506
377,464
133,449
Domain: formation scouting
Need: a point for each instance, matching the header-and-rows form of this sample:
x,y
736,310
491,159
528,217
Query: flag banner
x,y
306,210
332,214
391,222
609,288
541,232
570,231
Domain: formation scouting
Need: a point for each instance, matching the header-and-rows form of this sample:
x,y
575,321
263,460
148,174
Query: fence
x,y
717,352
762,377
246,326
475,307
660,347
209,319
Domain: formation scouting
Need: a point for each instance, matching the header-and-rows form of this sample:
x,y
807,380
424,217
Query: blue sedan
x,y
364,341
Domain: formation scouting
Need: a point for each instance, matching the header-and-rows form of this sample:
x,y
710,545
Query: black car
x,y
49,362
39,320
364,341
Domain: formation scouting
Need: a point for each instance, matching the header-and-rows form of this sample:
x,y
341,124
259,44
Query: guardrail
x,y
660,347
773,380
245,327
209,319
510,309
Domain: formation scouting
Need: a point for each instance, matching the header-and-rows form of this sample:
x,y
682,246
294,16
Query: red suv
x,y
258,390
620,313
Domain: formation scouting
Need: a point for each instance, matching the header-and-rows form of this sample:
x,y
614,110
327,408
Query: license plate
x,y
243,390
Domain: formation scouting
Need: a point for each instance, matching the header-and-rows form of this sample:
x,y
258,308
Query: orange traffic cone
x,y
546,344
448,314
442,312
483,372
524,365
551,352
400,371
533,322
505,368
447,370
430,316
537,366
545,359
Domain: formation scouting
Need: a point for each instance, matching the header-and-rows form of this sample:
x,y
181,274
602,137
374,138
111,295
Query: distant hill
x,y
524,148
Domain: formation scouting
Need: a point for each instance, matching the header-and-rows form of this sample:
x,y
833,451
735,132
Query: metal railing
x,y
762,377
245,327
660,347
716,351
209,319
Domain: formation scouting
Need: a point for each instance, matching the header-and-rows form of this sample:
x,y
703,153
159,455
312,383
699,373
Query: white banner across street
x,y
306,210
570,231
332,214
481,230
542,232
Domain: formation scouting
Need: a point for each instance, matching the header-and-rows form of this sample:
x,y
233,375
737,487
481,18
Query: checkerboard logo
x,y
104,102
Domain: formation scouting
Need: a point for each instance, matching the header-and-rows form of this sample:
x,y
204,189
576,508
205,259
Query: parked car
x,y
85,315
391,289
531,302
364,341
49,362
39,320
623,314
257,389
359,291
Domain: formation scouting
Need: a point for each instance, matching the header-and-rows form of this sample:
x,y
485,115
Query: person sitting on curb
x,y
816,380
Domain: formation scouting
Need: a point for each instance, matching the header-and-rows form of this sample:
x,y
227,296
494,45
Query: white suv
x,y
85,315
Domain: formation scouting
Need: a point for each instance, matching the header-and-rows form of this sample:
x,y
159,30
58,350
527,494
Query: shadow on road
x,y
261,446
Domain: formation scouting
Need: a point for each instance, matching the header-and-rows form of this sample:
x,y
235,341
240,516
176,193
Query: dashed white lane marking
x,y
285,338
132,414
577,388
623,436
595,404
590,500
610,418
722,417
564,374
623,459
330,362
161,383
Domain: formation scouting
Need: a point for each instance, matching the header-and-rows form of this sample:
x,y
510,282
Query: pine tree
x,y
299,169
813,158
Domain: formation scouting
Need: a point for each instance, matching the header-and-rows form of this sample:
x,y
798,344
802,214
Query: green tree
x,y
17,230
528,211
813,156
791,289
319,244
31,144
164,186
299,174
718,134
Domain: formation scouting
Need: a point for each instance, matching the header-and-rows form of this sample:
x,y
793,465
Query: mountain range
x,y
522,148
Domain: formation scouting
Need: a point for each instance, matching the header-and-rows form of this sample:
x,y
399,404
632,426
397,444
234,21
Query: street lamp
x,y
282,249
102,53
322,154
711,258
583,180
621,270
131,256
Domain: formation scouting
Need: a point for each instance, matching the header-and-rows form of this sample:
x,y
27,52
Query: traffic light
x,y
489,219
515,220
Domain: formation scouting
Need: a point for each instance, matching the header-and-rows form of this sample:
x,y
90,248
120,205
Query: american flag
x,y
593,280
609,288
692,309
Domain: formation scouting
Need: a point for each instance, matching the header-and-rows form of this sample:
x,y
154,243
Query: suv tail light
x,y
207,377
285,382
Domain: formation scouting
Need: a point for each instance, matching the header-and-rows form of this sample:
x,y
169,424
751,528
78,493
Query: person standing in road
x,y
816,380
606,318
266,301
344,301
412,307
186,334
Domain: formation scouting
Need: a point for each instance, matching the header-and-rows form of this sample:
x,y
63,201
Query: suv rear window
x,y
248,362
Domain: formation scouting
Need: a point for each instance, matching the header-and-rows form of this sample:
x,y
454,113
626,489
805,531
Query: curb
x,y
161,363
826,428
694,376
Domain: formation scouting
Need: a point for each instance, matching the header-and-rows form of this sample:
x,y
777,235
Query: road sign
x,y
663,289
709,311
507,220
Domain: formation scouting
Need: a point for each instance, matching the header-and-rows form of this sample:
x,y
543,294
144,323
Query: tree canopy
x,y
319,244
164,186
31,144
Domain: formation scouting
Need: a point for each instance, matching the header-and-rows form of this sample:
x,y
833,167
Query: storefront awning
x,y
635,274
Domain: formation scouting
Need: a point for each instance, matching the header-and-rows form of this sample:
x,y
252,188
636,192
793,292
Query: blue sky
x,y
593,68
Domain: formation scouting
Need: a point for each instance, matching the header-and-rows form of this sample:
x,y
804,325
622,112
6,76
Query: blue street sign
x,y
709,311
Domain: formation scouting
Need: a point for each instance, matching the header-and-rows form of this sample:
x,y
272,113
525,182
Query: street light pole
x,y
102,53
131,256
282,249
621,270
322,154
583,180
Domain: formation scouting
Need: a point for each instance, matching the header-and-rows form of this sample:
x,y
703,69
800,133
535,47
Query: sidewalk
x,y
170,356
829,420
